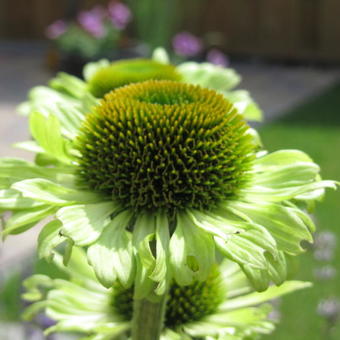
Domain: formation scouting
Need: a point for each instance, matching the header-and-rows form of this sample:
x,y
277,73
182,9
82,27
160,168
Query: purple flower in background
x,y
56,29
120,14
92,21
186,44
217,57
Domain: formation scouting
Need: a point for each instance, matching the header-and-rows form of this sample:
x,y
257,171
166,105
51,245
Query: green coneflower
x,y
66,91
126,72
161,177
222,307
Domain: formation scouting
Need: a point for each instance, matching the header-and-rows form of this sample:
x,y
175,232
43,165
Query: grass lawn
x,y
314,128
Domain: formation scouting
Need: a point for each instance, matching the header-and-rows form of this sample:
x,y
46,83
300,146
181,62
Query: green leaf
x,y
46,131
85,223
112,255
49,238
49,192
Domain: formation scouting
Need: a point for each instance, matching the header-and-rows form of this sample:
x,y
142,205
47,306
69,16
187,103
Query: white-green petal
x,y
46,131
68,84
209,75
21,221
161,271
256,298
53,193
91,68
35,287
284,223
49,238
192,251
244,104
84,223
112,255
143,234
13,200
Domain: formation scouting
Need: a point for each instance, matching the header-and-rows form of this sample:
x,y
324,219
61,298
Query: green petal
x,y
160,55
161,270
192,251
244,104
244,243
91,68
209,75
68,84
46,131
13,200
256,298
112,255
21,221
52,193
84,223
143,234
284,223
36,286
17,170
49,238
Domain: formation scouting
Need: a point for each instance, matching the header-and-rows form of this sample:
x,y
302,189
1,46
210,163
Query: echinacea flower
x,y
156,180
56,29
224,306
125,72
186,44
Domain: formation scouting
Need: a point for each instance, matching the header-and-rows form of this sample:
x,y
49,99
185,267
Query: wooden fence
x,y
293,29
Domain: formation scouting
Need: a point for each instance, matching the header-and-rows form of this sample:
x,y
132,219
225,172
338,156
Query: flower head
x,y
56,29
205,309
186,44
92,21
120,14
165,145
125,72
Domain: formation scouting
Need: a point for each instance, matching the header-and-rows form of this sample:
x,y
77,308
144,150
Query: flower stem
x,y
148,319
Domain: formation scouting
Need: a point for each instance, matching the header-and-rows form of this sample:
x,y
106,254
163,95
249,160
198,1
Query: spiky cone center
x,y
165,145
184,303
126,72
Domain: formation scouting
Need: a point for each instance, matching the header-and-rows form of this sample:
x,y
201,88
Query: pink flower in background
x,y
217,57
120,14
92,21
186,44
56,29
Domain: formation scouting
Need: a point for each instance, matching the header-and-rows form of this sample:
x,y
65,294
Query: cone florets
x,y
163,144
